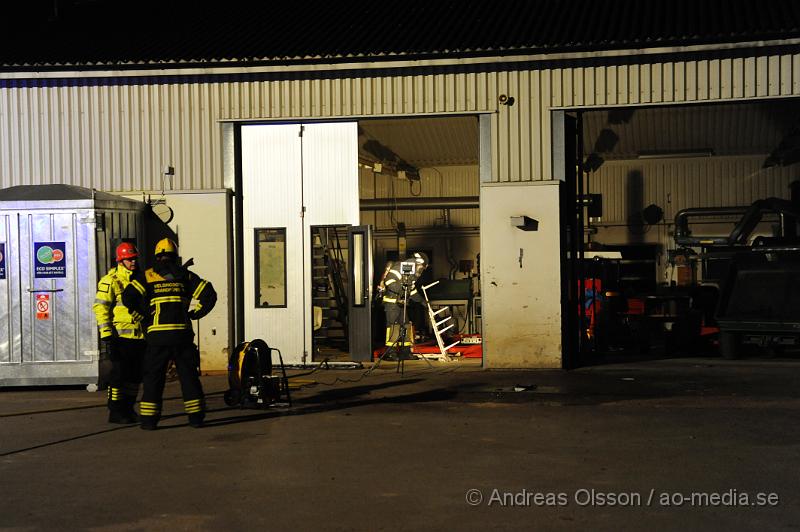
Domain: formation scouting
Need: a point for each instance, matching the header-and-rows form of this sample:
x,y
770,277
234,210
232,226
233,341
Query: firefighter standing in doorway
x,y
123,335
163,294
395,284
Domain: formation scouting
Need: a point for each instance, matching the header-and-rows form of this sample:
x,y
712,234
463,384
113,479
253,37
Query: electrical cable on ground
x,y
309,385
363,374
427,371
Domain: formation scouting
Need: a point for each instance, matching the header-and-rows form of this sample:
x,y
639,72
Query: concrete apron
x,y
408,452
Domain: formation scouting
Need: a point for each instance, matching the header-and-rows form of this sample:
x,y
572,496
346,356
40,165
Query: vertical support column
x,y
565,135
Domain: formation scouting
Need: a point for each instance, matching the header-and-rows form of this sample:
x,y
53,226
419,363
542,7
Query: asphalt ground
x,y
678,444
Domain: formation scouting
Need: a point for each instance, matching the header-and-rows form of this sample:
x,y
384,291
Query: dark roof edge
x,y
564,53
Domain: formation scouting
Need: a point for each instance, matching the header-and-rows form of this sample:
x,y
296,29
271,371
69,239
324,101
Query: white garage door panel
x,y
330,173
271,175
283,171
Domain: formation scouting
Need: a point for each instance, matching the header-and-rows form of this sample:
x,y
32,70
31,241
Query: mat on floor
x,y
464,350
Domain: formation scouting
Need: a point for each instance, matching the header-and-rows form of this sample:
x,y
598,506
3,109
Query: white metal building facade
x,y
115,130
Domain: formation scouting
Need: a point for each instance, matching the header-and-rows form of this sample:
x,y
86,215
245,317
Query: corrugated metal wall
x,y
675,184
435,182
119,137
751,128
111,137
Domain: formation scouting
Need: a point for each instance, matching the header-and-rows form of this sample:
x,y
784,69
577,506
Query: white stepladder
x,y
439,325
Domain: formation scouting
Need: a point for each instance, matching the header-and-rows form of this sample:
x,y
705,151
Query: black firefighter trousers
x,y
187,363
126,356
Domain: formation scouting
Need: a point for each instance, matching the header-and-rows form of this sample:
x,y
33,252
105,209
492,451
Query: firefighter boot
x,y
115,416
194,410
121,418
117,408
406,354
197,420
148,422
149,415
127,411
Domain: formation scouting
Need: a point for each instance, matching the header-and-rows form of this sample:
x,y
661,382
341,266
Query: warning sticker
x,y
42,306
49,260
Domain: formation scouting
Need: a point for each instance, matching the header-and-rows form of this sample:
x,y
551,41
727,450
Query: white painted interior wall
x,y
202,223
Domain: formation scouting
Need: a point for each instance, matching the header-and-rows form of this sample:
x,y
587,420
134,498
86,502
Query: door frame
x,y
360,301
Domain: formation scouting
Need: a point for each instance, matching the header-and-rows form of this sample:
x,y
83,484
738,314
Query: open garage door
x,y
343,200
419,191
674,201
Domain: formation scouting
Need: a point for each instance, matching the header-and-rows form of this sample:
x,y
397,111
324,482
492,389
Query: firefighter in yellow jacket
x,y
163,295
123,335
399,290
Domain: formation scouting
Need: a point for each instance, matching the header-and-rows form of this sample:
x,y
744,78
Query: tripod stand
x,y
398,346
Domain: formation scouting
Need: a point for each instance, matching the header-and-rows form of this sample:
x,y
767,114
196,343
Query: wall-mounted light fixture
x,y
504,99
411,174
374,167
525,223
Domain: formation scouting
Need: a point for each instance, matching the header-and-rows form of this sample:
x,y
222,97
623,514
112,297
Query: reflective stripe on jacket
x,y
113,317
163,296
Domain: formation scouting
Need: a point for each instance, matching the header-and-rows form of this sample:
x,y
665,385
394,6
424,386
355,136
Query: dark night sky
x,y
110,31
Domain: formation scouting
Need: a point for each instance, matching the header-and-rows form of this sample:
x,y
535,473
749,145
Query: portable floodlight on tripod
x,y
408,277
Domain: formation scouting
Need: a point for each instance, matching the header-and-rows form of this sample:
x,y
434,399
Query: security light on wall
x,y
411,174
388,162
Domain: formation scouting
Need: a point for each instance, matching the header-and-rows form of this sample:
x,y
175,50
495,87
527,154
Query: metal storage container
x,y
55,242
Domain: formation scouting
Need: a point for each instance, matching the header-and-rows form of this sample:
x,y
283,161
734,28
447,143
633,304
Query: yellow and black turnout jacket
x,y
394,287
113,318
162,295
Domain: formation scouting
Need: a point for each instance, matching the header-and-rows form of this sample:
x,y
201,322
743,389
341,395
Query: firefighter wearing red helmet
x,y
122,334
163,295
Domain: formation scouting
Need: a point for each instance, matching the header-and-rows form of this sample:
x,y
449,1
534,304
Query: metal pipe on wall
x,y
456,202
429,232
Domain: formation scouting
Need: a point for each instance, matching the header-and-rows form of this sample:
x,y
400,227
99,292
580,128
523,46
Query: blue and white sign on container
x,y
49,260
2,260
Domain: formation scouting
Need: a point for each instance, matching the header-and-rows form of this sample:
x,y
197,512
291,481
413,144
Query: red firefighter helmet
x,y
126,250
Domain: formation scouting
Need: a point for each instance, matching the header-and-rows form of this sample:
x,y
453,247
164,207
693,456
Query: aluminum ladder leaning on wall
x,y
436,322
